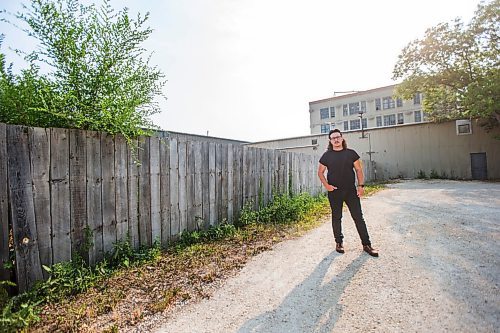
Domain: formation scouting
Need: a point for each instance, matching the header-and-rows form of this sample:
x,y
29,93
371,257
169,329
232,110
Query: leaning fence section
x,y
65,192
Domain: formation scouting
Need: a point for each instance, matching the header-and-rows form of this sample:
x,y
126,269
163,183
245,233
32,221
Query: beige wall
x,y
402,151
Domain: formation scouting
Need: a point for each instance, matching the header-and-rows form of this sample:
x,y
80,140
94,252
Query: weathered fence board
x,y
211,184
40,173
223,182
133,195
190,174
165,191
121,178
182,153
230,189
296,179
154,145
93,233
174,190
256,177
218,182
270,158
144,193
198,186
237,187
205,175
28,264
250,177
60,195
246,174
4,204
301,172
265,174
78,191
282,173
108,192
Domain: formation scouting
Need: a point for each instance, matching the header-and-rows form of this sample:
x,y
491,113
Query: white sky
x,y
247,69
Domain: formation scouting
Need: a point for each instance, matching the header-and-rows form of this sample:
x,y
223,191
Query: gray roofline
x,y
203,136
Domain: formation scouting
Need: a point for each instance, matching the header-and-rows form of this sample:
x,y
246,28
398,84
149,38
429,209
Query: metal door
x,y
478,166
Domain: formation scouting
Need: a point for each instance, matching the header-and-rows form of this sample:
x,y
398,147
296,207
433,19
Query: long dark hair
x,y
330,146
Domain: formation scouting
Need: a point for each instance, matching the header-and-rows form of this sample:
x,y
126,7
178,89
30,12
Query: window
x,y
390,120
346,125
332,111
314,141
377,104
388,103
399,102
379,121
353,108
363,106
416,99
464,129
401,118
325,128
365,123
463,126
355,124
418,116
324,113
345,111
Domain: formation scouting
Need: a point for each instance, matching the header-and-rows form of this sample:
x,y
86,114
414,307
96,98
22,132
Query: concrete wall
x,y
405,150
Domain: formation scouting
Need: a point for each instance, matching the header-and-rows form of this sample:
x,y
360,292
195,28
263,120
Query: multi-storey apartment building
x,y
364,109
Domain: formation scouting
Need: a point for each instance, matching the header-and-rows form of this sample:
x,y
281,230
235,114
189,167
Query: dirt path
x,y
438,271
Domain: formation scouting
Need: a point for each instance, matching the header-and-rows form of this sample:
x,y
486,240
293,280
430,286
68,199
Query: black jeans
x,y
350,197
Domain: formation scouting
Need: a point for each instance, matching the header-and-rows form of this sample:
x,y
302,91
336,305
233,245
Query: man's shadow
x,y
312,306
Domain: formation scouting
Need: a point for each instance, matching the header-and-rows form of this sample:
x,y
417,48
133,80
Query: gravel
x,y
438,271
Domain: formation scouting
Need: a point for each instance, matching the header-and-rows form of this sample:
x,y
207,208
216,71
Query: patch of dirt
x,y
438,271
138,294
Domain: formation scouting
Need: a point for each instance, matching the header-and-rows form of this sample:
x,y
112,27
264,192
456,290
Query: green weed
x,y
434,174
69,278
282,209
421,175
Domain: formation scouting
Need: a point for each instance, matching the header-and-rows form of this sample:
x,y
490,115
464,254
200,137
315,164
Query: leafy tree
x,y
97,80
456,67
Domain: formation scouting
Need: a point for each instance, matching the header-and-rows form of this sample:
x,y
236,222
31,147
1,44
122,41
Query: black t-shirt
x,y
340,165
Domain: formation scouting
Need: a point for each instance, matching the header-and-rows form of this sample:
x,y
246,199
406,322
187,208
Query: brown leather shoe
x,y
370,250
339,248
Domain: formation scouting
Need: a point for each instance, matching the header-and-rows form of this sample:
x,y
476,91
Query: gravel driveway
x,y
438,271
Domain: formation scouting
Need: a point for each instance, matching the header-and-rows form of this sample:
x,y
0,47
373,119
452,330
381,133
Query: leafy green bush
x,y
97,78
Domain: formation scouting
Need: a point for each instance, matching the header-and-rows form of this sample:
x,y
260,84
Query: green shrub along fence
x,y
65,191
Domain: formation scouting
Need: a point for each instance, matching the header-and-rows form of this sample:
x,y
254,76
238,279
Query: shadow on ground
x,y
313,305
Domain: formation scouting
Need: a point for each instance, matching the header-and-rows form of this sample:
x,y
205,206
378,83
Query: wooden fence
x,y
65,191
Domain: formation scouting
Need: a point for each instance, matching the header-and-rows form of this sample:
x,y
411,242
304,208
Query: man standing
x,y
341,163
